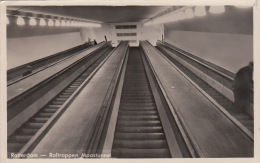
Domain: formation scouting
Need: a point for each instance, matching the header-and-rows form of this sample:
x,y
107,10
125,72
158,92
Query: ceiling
x,y
104,14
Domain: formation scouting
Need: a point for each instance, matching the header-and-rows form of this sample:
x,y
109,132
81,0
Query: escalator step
x,y
71,88
75,85
45,114
57,102
54,106
26,131
40,120
150,108
69,91
138,123
21,138
137,98
136,95
66,93
50,110
14,147
241,116
139,136
139,129
121,112
138,117
64,96
61,99
137,144
138,104
34,125
137,101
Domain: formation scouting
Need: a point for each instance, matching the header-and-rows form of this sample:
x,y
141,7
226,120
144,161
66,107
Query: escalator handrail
x,y
217,69
47,80
32,143
193,147
48,65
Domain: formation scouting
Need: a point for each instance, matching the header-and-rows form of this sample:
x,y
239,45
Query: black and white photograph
x,y
85,81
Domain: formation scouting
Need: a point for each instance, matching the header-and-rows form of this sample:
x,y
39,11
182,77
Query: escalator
x,y
23,134
139,132
242,117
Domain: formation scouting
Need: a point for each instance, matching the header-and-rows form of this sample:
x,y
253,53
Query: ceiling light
x,y
80,24
67,24
200,11
20,21
32,21
42,22
50,23
62,23
189,13
77,24
73,24
57,23
216,9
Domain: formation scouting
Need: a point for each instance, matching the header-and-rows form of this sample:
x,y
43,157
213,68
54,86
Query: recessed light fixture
x,y
57,23
32,21
200,11
42,22
20,21
189,13
50,23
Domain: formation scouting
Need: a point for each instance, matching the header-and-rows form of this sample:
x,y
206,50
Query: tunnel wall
x,y
22,50
230,51
225,39
96,33
150,33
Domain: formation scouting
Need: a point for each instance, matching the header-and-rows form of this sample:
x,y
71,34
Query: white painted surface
x,y
230,51
96,33
150,33
28,49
